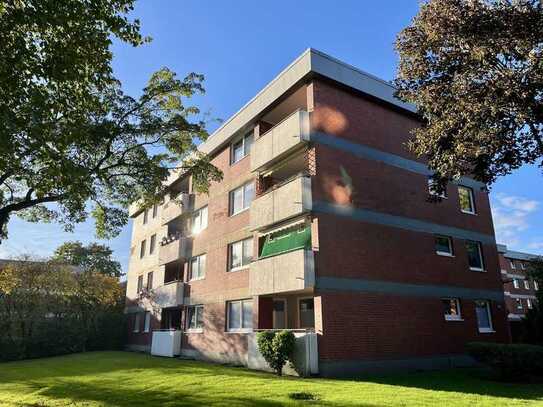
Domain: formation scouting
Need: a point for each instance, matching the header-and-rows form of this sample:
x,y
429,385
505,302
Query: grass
x,y
129,379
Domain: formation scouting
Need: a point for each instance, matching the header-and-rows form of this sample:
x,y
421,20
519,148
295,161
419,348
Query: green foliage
x,y
276,348
474,69
94,258
532,324
50,309
511,361
69,134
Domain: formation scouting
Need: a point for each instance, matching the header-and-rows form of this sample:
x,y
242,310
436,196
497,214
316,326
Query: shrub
x,y
276,348
510,361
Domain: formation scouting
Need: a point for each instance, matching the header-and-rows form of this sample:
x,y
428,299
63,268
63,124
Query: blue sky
x,y
240,46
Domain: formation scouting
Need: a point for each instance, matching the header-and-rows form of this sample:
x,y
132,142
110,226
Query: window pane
x,y
482,315
466,203
474,255
443,244
247,314
237,151
236,200
202,266
236,254
152,244
450,307
199,317
140,283
307,316
142,249
203,218
248,143
247,251
249,194
150,280
234,317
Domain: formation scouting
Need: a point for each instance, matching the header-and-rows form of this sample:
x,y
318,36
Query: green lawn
x,y
129,379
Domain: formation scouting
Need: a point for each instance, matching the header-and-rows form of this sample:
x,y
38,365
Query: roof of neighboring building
x,y
511,254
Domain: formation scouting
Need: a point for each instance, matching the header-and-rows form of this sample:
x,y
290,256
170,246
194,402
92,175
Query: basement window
x,y
286,240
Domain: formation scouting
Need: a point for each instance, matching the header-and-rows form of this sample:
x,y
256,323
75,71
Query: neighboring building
x,y
519,290
322,225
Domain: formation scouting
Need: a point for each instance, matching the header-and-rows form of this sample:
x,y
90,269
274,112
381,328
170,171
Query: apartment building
x,y
322,225
519,289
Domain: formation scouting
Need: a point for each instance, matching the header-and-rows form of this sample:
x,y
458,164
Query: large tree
x,y
474,69
69,134
93,258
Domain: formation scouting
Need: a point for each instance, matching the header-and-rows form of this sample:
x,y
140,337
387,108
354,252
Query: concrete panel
x,y
174,250
169,295
175,208
166,343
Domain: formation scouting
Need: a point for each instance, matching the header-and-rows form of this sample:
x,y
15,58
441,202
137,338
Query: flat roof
x,y
511,254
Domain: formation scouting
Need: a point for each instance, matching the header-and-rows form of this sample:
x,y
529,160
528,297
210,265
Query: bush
x,y
276,348
510,361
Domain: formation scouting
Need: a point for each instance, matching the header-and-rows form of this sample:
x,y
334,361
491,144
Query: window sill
x,y
194,331
196,279
468,212
445,254
477,269
454,319
487,331
238,212
239,331
238,269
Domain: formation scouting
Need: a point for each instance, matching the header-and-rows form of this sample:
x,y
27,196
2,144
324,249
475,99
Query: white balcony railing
x,y
280,140
284,202
282,273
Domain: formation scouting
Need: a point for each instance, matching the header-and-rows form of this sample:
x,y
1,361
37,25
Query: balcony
x,y
282,139
173,209
291,271
174,248
170,294
286,201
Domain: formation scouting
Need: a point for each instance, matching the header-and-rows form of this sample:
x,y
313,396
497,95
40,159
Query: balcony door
x,y
306,312
279,313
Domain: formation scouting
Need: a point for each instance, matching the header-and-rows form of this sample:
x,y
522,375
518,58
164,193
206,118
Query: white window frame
x,y
447,254
512,264
147,322
145,216
139,287
529,303
243,146
198,260
245,206
143,248
195,308
199,225
519,305
458,317
432,192
230,256
526,284
155,210
152,280
137,323
152,244
471,200
536,285
522,265
241,329
481,258
515,283
489,313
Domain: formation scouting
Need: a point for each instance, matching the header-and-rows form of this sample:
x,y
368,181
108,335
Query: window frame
x,y
536,285
147,322
137,322
192,308
481,258
198,258
145,216
139,286
450,317
241,329
529,303
243,141
298,311
431,191
490,329
473,210
243,206
150,280
155,211
198,213
519,305
143,248
526,284
512,264
451,250
522,265
230,254
152,244
516,284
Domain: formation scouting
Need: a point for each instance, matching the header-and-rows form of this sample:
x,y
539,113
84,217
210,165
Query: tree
x,y
474,69
93,258
276,348
532,324
69,134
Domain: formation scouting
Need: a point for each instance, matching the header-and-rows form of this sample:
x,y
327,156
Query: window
x,y
150,280
526,284
512,263
152,244
241,198
240,254
239,315
155,210
199,220
198,267
241,148
142,248
147,322
195,318
306,312
522,265
529,303
432,189
466,200
444,246
519,303
475,255
451,309
484,320
145,216
140,284
137,322
536,286
515,283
